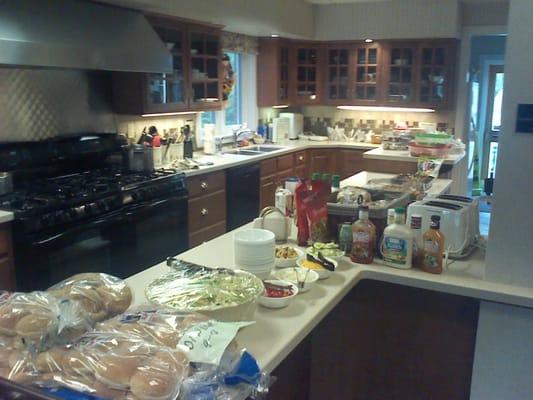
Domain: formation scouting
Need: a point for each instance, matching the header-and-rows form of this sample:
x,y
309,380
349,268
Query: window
x,y
241,104
496,120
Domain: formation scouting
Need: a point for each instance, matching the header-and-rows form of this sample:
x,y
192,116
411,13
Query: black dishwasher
x,y
242,195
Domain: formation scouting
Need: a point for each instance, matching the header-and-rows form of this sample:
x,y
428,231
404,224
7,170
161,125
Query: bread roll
x,y
4,372
115,302
5,353
51,360
104,391
115,371
78,363
9,318
154,385
37,329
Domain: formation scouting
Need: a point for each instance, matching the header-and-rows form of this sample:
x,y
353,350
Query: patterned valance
x,y
239,43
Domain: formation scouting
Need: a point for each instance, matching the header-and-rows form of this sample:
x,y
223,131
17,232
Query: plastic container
x,y
397,244
432,151
432,139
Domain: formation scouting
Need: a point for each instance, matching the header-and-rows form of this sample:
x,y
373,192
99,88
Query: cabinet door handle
x,y
204,185
300,158
204,211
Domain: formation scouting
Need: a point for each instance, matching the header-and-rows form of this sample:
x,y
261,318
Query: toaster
x,y
455,223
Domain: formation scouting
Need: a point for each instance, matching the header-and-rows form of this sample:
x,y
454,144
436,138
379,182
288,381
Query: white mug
x,y
273,220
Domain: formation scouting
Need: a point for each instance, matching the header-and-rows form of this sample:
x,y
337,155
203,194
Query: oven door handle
x,y
107,219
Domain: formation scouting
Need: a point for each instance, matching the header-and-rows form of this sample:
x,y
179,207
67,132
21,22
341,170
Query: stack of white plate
x,y
255,251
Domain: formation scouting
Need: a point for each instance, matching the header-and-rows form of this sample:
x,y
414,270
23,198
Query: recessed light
x,y
281,106
369,40
274,35
165,114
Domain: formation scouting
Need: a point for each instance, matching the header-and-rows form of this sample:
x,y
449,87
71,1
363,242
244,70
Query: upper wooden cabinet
x,y
416,73
273,72
194,84
305,87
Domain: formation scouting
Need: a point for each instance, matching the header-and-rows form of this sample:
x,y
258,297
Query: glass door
x,y
366,74
433,76
306,75
205,59
337,75
400,67
284,74
167,92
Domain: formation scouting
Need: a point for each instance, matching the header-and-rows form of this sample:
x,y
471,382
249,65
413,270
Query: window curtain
x,y
239,43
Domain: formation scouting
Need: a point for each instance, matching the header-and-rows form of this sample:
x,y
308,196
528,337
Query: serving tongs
x,y
191,269
320,259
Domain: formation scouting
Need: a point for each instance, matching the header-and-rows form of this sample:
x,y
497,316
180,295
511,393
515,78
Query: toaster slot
x,y
455,198
441,204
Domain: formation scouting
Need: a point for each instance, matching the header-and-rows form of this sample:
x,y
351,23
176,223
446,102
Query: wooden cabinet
x,y
307,80
301,167
194,84
416,73
7,268
350,162
322,161
273,72
206,207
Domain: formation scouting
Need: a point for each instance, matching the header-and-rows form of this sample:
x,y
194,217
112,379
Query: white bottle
x,y
397,245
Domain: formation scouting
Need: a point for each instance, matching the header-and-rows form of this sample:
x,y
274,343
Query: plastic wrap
x,y
189,287
35,321
102,296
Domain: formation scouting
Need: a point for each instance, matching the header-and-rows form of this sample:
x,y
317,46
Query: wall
x,y
387,20
291,18
503,363
485,13
38,104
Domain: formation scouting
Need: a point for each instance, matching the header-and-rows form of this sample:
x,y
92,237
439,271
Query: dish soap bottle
x,y
364,238
433,250
397,247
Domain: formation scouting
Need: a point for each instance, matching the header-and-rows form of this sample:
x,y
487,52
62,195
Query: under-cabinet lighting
x,y
391,109
312,97
171,113
369,40
281,106
274,35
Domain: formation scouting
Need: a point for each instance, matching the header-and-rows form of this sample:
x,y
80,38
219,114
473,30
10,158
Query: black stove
x,y
78,209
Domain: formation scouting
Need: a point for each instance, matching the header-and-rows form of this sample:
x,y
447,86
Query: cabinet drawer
x,y
208,233
267,192
208,183
300,158
285,162
283,175
207,210
268,167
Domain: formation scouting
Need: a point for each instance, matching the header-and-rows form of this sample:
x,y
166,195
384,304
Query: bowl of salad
x,y
277,294
329,250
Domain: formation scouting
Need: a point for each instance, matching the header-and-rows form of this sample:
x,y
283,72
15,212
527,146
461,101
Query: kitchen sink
x,y
253,150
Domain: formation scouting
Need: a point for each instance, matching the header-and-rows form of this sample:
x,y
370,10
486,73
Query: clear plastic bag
x,y
36,321
101,295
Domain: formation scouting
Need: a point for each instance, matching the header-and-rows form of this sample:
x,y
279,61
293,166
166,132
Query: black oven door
x,y
120,243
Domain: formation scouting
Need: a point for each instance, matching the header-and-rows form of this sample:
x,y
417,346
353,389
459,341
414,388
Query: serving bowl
x,y
322,272
296,275
278,302
289,262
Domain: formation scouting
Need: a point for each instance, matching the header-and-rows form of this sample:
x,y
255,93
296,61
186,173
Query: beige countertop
x,y
277,332
395,155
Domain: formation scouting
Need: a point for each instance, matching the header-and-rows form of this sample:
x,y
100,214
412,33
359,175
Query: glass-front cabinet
x,y
205,57
367,74
306,88
401,71
168,91
337,75
435,73
284,73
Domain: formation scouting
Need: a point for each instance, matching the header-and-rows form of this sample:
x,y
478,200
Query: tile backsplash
x,y
133,125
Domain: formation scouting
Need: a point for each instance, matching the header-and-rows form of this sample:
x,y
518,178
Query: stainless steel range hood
x,y
80,35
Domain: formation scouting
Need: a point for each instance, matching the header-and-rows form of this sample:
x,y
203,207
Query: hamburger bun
x,y
36,329
9,319
115,301
51,360
103,390
77,363
154,385
115,371
5,353
4,372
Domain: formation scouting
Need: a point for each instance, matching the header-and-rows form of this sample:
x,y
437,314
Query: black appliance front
x,y
121,243
242,195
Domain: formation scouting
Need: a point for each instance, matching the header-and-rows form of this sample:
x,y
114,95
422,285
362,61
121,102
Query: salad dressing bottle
x,y
433,250
364,238
397,246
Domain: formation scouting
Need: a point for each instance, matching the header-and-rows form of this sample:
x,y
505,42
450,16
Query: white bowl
x,y
254,247
322,273
278,302
254,237
289,262
292,275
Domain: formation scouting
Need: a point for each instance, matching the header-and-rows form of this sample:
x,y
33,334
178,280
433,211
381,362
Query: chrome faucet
x,y
238,131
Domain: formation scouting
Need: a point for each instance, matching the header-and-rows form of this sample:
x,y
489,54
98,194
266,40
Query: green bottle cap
x,y
336,180
326,177
399,210
315,176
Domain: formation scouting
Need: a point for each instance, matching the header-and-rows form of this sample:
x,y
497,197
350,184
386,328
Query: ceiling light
x,y
389,109
281,106
275,35
170,113
369,40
